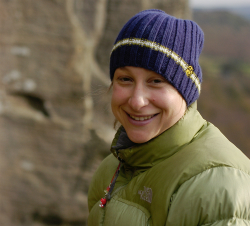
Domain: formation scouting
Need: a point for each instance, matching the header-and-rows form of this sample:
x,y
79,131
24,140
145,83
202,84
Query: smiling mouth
x,y
141,118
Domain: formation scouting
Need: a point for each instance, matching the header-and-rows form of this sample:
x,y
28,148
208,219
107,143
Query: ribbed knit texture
x,y
183,37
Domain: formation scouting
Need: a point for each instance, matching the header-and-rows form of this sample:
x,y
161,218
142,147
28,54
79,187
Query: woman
x,y
168,165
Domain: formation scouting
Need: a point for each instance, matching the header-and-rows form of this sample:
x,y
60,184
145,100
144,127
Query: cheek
x,y
164,98
119,97
169,100
114,105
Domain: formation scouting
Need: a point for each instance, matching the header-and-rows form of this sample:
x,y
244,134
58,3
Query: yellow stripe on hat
x,y
188,69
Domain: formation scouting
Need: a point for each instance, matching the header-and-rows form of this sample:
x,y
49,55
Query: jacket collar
x,y
161,147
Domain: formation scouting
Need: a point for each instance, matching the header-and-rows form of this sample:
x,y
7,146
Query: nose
x,y
138,98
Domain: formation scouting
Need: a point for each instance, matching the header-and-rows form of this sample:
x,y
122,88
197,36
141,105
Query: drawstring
x,y
110,188
112,184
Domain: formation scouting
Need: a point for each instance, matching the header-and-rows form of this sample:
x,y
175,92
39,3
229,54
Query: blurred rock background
x,y
55,118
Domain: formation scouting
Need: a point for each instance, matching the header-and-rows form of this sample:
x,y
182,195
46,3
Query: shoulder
x,y
211,148
207,150
101,179
108,164
220,194
213,184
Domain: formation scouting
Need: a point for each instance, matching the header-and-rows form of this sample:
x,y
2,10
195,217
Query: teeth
x,y
141,118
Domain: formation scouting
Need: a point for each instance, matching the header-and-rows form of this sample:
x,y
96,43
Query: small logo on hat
x,y
146,195
189,71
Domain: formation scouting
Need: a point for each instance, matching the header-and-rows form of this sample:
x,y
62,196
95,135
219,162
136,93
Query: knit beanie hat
x,y
164,44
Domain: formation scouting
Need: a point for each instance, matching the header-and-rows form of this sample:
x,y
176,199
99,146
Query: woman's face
x,y
145,103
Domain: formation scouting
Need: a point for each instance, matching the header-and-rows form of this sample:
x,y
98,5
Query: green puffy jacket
x,y
189,175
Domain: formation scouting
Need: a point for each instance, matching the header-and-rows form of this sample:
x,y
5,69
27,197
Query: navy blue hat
x,y
162,43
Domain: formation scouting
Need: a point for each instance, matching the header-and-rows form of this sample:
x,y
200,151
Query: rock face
x,y
55,119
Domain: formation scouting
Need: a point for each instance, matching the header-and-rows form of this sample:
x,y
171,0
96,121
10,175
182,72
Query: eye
x,y
125,79
157,81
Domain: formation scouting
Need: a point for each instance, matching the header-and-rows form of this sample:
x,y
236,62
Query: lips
x,y
141,118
